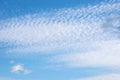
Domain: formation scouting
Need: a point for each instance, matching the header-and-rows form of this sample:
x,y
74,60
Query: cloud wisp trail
x,y
104,77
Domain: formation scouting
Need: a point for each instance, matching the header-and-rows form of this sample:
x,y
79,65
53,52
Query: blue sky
x,y
11,8
59,40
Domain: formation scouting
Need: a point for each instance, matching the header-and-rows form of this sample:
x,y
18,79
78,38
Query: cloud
x,y
27,71
70,28
19,68
86,33
103,77
105,54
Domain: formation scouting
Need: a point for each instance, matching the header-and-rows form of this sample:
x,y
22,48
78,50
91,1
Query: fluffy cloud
x,y
20,69
17,68
103,77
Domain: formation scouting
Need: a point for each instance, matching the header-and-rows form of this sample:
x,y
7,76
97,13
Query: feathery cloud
x,y
103,77
105,54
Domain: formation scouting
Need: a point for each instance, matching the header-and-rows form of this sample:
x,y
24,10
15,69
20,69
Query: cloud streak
x,y
104,77
106,54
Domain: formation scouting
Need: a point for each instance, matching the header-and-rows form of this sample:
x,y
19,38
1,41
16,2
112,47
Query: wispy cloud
x,y
106,54
103,77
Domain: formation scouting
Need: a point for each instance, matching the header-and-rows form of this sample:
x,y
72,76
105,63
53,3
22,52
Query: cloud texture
x,y
90,34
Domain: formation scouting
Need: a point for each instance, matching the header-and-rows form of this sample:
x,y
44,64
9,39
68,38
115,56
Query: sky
x,y
59,39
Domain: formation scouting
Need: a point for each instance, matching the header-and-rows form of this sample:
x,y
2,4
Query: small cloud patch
x,y
19,68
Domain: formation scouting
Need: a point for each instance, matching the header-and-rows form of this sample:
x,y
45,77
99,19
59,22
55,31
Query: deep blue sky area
x,y
11,8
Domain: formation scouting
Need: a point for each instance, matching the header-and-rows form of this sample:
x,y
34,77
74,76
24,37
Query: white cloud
x,y
105,54
19,68
103,77
60,29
